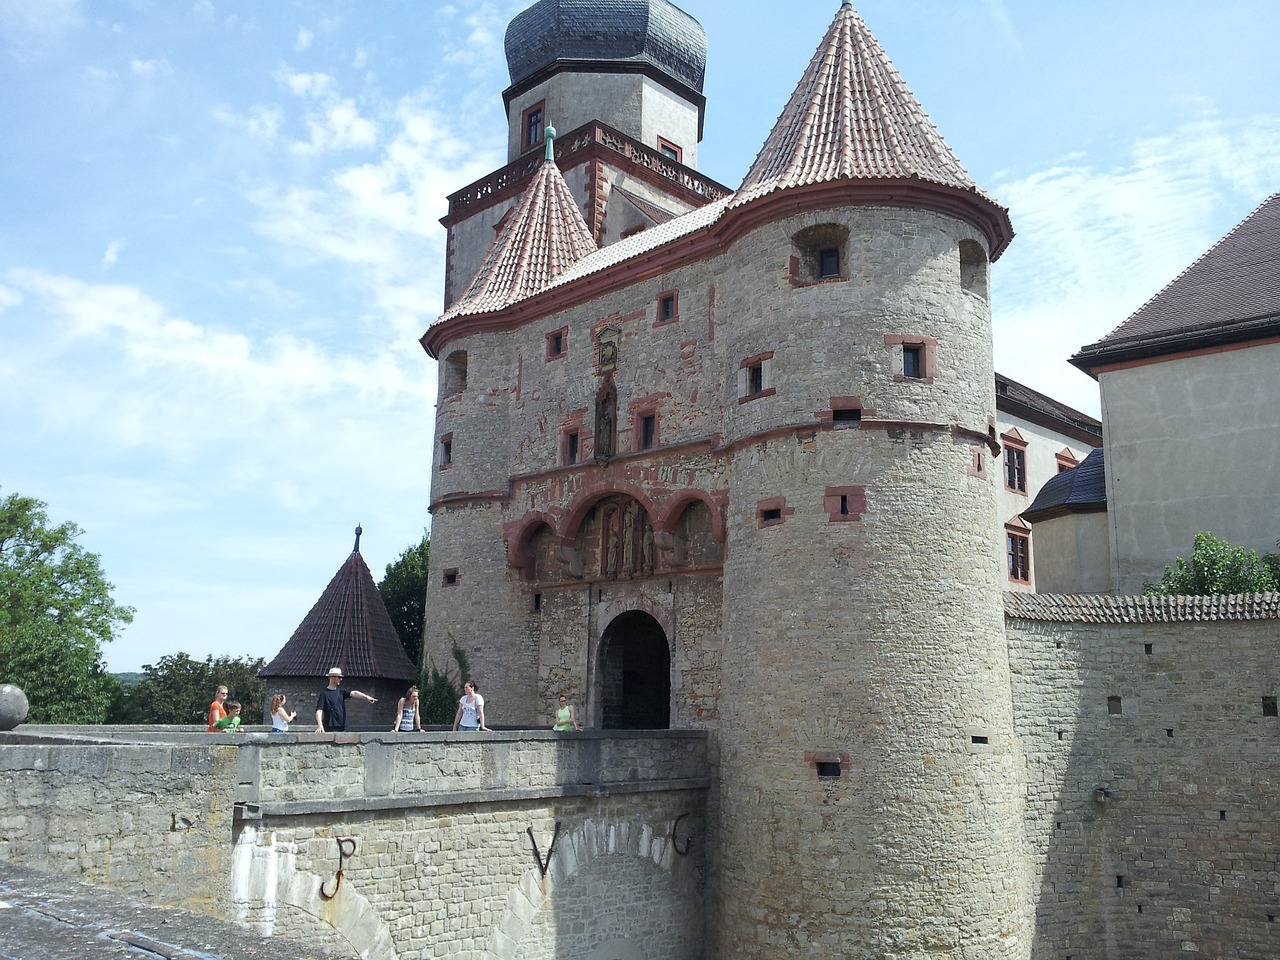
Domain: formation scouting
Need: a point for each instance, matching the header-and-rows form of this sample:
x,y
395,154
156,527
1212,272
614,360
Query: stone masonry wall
x,y
151,820
396,847
1151,819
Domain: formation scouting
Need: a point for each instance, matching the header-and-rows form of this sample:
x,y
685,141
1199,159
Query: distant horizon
x,y
222,243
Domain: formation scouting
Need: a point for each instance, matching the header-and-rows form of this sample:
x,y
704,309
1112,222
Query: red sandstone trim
x,y
771,505
658,320
854,499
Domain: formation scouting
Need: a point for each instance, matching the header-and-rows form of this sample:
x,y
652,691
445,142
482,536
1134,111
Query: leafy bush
x,y
1216,567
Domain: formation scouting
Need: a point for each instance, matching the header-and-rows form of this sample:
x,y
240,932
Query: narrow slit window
x,y
446,451
829,262
667,307
648,431
571,447
1114,706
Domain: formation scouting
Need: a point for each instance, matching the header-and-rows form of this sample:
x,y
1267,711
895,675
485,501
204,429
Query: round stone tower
x,y
871,782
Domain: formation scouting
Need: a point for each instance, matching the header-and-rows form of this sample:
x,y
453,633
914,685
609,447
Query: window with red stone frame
x,y
558,343
668,308
1066,460
917,358
1015,461
672,151
1018,554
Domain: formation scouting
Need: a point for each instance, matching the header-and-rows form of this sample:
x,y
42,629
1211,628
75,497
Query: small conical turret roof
x,y
853,118
544,235
348,628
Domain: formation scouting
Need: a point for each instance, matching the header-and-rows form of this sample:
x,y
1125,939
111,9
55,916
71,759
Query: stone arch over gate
x,y
631,663
541,917
272,894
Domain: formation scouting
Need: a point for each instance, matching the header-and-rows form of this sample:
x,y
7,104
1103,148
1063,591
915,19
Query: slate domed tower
x,y
622,82
870,778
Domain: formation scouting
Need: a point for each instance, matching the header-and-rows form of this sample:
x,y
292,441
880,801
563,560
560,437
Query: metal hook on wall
x,y
544,866
688,840
346,848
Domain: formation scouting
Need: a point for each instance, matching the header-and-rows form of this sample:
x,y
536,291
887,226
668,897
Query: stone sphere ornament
x,y
13,706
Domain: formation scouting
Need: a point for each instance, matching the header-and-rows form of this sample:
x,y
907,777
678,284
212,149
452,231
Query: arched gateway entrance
x,y
634,674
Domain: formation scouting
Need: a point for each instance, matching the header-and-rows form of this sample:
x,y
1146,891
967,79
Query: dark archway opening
x,y
635,674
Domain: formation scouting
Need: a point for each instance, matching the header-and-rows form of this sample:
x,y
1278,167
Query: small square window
x,y
648,430
670,150
450,578
829,262
1269,707
846,419
912,362
666,308
557,343
771,515
755,378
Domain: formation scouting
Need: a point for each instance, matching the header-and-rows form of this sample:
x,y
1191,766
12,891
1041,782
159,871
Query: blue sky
x,y
219,242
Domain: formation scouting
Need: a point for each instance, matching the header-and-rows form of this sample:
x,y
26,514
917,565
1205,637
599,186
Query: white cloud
x,y
175,387
1094,245
150,68
8,298
314,85
338,126
304,40
112,253
204,10
999,13
29,26
261,123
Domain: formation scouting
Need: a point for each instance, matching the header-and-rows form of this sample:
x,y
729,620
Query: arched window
x,y
819,253
973,268
454,375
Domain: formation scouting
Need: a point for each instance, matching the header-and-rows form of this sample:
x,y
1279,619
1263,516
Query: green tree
x,y
56,614
404,592
439,692
1217,567
178,690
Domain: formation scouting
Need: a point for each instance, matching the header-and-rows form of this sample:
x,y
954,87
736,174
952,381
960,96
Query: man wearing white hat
x,y
331,706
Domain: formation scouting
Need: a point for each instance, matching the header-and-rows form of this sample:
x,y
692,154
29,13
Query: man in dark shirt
x,y
331,705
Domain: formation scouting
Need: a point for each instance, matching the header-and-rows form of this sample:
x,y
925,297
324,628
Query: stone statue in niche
x,y
606,422
627,541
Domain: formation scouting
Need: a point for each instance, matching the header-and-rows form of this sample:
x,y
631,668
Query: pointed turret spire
x,y
853,118
544,235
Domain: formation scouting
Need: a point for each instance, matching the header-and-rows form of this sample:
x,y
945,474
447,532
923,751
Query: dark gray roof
x,y
348,628
1017,399
1082,489
641,32
1230,295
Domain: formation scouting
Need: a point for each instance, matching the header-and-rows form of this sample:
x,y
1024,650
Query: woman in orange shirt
x,y
216,710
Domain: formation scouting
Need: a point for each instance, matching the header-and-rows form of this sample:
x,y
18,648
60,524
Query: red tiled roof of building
x,y
544,235
852,117
348,628
1230,294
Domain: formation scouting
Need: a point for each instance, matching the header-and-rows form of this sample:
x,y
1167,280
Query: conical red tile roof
x,y
543,237
348,628
853,118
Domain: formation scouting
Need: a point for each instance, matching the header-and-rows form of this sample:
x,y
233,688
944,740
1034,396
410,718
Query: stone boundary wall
x,y
1153,768
491,847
